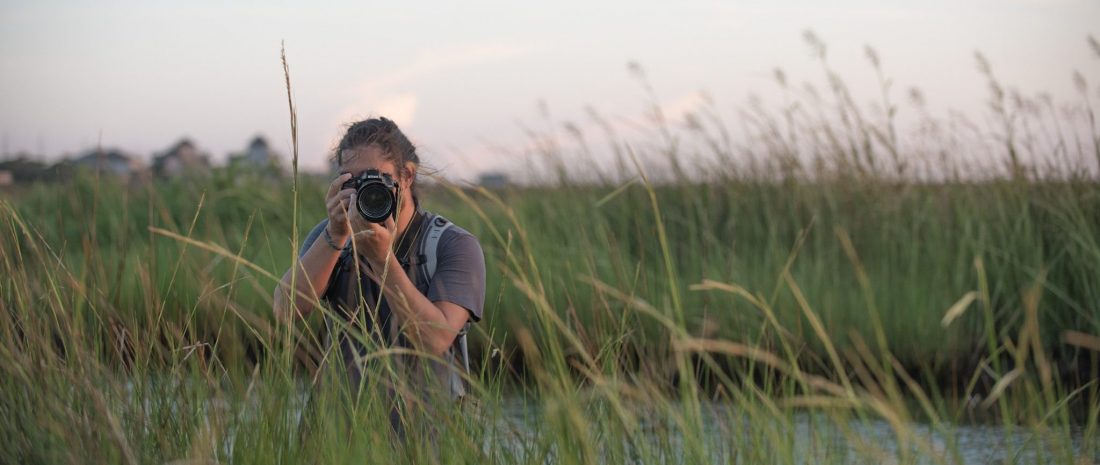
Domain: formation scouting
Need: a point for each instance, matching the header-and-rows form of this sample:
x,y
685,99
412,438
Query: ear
x,y
409,174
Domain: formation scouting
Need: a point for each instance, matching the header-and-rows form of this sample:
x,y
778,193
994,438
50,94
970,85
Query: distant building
x,y
258,156
6,178
182,159
109,161
24,168
493,180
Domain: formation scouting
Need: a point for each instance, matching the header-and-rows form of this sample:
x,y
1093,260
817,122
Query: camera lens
x,y
376,202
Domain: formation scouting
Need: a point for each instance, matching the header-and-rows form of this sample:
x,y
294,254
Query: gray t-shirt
x,y
459,278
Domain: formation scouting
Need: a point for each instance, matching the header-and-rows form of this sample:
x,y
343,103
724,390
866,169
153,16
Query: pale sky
x,y
461,76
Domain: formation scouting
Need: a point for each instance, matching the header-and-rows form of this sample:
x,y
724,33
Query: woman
x,y
373,275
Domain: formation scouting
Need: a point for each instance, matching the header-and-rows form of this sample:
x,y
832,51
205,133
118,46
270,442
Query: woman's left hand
x,y
373,241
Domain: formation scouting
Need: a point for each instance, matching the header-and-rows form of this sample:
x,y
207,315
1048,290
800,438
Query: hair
x,y
383,132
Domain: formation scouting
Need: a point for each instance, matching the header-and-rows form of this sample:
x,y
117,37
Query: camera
x,y
375,194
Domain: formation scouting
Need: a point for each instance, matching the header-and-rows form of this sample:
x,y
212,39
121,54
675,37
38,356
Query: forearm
x,y
421,320
310,280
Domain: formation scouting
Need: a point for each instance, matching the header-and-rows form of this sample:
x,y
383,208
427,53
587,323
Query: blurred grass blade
x,y
958,308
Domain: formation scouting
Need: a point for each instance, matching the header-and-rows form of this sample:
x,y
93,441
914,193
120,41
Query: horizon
x,y
148,76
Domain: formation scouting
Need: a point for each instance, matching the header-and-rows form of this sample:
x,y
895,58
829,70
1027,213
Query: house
x,y
22,169
258,157
110,161
181,159
493,180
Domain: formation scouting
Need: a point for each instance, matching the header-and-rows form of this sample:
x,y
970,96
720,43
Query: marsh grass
x,y
823,293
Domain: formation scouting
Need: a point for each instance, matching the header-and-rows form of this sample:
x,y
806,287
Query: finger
x,y
389,224
334,202
378,230
336,184
378,226
340,199
352,222
338,216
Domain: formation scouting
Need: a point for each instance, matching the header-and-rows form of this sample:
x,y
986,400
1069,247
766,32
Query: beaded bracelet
x,y
331,243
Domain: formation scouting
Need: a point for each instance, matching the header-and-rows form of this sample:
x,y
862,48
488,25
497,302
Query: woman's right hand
x,y
336,203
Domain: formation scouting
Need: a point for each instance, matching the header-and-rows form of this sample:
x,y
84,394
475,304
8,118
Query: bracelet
x,y
331,243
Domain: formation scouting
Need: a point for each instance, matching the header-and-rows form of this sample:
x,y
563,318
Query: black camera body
x,y
375,194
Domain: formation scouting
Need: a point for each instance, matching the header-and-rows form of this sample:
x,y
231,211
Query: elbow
x,y
279,307
285,307
440,342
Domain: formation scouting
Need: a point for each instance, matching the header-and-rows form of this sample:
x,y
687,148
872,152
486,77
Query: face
x,y
363,158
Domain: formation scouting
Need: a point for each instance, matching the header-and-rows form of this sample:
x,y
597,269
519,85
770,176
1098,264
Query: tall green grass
x,y
820,284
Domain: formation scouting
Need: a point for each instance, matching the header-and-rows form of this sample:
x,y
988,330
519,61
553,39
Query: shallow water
x,y
818,438
519,430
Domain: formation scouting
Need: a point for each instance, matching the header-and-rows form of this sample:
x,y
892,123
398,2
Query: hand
x,y
374,241
337,201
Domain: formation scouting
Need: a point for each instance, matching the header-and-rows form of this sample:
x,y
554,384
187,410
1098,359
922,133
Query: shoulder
x,y
459,266
312,236
316,231
453,236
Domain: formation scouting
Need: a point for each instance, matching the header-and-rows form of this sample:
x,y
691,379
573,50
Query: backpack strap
x,y
437,225
430,246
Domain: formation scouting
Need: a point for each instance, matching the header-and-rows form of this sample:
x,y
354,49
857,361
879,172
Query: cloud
x,y
436,60
387,94
680,107
398,107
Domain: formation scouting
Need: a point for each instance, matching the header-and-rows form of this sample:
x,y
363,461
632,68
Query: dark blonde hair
x,y
383,132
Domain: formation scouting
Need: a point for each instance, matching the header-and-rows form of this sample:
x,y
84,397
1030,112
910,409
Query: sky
x,y
463,79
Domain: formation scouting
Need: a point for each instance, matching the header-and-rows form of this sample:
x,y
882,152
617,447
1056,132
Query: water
x,y
525,430
818,438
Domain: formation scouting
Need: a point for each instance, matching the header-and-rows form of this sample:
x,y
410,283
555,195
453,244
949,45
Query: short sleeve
x,y
460,272
312,236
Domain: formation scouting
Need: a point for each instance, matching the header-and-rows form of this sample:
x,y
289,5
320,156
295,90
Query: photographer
x,y
397,274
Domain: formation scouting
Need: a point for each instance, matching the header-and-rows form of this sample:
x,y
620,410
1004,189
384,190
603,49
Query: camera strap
x,y
408,239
